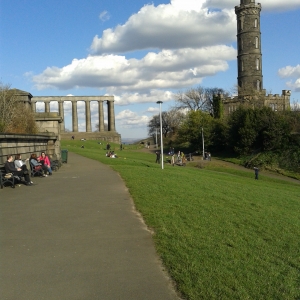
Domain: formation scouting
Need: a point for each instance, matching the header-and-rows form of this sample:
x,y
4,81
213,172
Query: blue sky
x,y
138,51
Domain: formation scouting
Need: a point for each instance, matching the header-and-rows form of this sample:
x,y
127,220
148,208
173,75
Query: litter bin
x,y
64,156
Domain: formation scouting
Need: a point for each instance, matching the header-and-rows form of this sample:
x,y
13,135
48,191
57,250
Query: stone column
x,y
111,116
101,116
47,106
33,106
74,116
61,113
88,122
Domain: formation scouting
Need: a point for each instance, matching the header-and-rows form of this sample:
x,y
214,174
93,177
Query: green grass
x,y
220,233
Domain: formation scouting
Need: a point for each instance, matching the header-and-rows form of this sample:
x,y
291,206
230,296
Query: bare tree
x,y
198,98
14,116
170,122
295,106
97,127
7,105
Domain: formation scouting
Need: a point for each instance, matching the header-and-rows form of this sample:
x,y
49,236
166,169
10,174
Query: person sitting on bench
x,y
44,160
10,168
34,161
19,163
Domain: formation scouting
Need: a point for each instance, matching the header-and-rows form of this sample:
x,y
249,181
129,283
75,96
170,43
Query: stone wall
x,y
27,144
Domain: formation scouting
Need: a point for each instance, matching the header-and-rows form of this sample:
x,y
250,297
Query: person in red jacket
x,y
44,160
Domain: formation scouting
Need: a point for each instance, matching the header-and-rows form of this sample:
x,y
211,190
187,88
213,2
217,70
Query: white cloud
x,y
191,41
104,16
181,24
150,97
153,110
267,5
188,5
291,72
130,119
164,70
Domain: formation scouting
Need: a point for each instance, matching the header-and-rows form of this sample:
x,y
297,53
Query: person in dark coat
x,y
157,157
256,172
10,168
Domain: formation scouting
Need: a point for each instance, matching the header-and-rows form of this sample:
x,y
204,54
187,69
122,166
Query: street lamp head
x,y
159,102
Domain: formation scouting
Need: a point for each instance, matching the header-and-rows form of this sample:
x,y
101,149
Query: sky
x,y
139,51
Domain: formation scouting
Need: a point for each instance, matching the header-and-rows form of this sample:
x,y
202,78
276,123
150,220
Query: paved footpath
x,y
76,235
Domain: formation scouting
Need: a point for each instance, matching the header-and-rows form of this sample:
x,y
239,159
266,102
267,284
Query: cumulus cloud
x,y
185,41
164,70
180,24
267,5
153,110
293,73
150,97
129,119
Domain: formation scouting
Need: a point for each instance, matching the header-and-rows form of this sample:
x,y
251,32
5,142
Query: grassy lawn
x,y
220,233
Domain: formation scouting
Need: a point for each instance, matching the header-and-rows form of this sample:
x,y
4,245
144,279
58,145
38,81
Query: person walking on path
x,y
256,172
157,157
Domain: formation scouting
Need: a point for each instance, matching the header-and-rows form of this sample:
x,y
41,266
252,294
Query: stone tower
x,y
249,57
249,60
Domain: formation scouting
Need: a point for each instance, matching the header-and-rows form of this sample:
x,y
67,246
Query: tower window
x,y
258,85
256,42
255,23
240,26
257,64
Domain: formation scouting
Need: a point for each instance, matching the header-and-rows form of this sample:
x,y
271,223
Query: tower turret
x,y
249,57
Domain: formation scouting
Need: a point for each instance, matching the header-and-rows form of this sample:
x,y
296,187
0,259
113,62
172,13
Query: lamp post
x,y
202,144
161,136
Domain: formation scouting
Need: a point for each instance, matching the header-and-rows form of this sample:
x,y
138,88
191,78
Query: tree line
x,y
245,132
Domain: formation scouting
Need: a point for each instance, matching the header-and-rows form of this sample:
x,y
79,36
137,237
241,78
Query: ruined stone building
x,y
249,61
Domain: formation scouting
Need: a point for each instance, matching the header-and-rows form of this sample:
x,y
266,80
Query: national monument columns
x,y
87,100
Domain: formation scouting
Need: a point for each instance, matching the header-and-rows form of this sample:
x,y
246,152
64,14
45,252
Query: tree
x,y
199,98
217,105
170,122
242,133
191,129
7,105
259,129
105,127
14,116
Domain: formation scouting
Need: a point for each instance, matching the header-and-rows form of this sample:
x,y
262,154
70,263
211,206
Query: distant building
x,y
249,61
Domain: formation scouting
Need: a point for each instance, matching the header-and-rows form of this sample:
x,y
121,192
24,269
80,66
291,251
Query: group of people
x,y
111,154
175,159
18,167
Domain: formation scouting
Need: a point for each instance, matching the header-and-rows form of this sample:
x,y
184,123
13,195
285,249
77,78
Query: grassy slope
x,y
221,234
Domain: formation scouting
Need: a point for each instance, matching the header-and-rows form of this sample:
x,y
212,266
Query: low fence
x,y
26,144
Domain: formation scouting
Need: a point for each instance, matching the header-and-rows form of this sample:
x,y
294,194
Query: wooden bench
x,y
36,170
6,178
